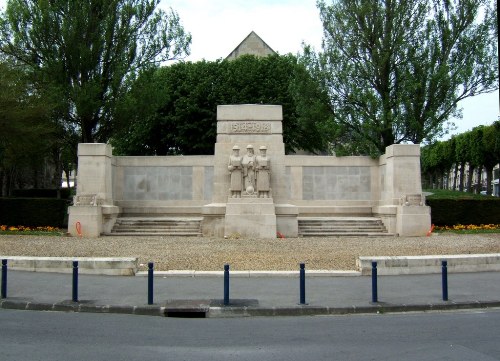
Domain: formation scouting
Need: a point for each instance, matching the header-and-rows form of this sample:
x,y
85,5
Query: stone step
x,y
341,226
155,226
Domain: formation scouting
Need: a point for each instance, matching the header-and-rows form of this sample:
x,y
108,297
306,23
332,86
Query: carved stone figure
x,y
235,168
263,167
248,164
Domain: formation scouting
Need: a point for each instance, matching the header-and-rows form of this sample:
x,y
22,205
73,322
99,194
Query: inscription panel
x,y
250,128
336,183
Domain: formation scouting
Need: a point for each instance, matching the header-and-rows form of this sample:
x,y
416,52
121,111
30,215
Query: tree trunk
x,y
462,175
479,183
455,176
469,179
489,179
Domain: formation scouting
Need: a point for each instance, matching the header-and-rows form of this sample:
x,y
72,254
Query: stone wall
x,y
302,186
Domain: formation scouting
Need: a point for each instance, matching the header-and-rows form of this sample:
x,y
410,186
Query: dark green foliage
x,y
173,110
64,193
453,211
33,212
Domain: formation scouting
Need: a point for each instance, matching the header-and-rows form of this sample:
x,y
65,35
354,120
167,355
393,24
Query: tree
x,y
26,133
82,50
166,109
395,70
490,152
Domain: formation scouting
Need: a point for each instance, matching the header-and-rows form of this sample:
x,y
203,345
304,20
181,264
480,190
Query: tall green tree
x,y
395,70
83,50
490,152
27,134
173,110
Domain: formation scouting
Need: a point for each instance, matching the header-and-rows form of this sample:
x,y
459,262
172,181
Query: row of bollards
x,y
302,282
444,281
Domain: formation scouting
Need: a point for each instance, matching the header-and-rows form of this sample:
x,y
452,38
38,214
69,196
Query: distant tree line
x,y
471,151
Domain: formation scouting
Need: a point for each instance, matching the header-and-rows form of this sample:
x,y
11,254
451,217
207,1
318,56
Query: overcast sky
x,y
218,26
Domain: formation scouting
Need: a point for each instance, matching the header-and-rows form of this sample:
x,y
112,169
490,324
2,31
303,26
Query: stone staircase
x,y
341,226
157,226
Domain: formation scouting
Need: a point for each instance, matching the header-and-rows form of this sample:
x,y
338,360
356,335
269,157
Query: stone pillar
x,y
256,125
401,191
93,208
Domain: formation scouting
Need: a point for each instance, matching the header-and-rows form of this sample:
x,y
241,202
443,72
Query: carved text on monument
x,y
250,127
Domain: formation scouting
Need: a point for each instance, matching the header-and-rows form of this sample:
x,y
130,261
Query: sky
x,y
219,26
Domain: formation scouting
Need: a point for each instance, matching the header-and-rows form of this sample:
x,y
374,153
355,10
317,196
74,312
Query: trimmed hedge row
x,y
42,193
34,212
453,211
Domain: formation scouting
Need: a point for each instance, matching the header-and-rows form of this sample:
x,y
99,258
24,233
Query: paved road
x,y
54,336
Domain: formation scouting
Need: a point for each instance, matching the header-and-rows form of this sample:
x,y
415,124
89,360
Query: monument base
x,y
413,220
251,217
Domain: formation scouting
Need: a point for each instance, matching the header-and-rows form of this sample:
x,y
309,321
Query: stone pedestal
x,y
413,220
93,210
250,217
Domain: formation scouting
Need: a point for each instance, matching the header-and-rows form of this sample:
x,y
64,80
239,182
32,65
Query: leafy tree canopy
x,y
395,70
82,50
172,110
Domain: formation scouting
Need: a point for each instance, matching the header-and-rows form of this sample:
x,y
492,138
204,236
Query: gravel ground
x,y
189,253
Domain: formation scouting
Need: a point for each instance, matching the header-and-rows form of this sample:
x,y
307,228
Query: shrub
x,y
452,211
34,212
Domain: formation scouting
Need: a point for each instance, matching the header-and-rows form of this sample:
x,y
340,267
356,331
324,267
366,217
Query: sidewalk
x,y
202,296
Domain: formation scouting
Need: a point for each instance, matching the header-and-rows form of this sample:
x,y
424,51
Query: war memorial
x,y
248,188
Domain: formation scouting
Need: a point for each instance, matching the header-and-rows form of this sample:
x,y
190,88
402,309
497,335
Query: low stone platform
x,y
404,265
119,266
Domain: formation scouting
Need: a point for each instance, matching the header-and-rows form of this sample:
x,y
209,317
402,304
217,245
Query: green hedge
x,y
453,211
34,212
42,193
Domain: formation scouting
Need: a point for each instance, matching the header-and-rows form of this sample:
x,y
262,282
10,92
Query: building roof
x,y
251,45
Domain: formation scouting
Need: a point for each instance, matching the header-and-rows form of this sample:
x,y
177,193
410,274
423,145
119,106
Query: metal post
x,y
4,278
374,283
75,281
226,284
444,274
302,284
150,282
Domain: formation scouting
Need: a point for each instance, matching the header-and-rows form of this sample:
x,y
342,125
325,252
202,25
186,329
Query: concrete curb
x,y
244,311
109,266
251,274
406,265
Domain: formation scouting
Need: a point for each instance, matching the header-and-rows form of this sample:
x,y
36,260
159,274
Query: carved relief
x,y
412,200
250,174
87,200
235,169
263,174
250,127
248,164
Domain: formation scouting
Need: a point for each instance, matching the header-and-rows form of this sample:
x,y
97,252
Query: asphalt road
x,y
26,335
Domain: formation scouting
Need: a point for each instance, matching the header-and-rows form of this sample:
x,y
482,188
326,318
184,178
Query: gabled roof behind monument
x,y
251,45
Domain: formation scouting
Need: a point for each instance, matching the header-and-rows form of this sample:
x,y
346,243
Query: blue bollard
x,y
226,284
4,278
75,281
444,277
374,283
150,282
302,284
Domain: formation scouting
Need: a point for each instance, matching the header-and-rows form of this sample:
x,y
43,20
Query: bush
x,y
34,212
42,193
452,211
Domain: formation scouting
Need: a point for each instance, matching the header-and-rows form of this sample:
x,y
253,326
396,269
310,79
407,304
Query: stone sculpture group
x,y
250,174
